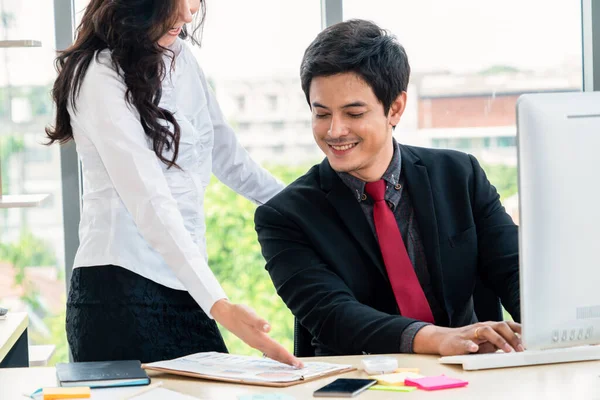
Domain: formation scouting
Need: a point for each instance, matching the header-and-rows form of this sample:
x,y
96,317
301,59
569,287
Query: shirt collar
x,y
391,175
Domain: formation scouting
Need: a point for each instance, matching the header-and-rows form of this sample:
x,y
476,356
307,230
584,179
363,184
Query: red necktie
x,y
405,284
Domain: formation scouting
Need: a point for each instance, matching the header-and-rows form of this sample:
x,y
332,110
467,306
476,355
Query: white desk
x,y
13,341
559,381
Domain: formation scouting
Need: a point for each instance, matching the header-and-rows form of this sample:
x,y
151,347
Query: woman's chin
x,y
167,41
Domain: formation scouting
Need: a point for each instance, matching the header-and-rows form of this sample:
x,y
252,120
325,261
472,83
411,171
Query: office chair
x,y
302,341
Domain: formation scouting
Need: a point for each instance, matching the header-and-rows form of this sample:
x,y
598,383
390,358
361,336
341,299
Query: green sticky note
x,y
393,388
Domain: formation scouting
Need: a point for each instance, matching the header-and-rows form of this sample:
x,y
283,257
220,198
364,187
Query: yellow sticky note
x,y
393,388
415,370
395,379
57,393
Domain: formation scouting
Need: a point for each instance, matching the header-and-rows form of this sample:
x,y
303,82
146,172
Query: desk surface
x,y
11,329
558,381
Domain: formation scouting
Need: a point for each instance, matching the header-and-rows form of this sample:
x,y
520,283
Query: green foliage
x,y
58,337
235,257
234,253
39,98
29,251
504,178
56,325
499,69
3,102
9,145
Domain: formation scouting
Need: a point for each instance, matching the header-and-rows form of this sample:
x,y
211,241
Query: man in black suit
x,y
378,249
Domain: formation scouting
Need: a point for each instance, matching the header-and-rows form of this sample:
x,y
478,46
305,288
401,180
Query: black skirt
x,y
115,314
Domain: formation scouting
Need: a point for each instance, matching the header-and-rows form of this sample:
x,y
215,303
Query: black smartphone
x,y
344,387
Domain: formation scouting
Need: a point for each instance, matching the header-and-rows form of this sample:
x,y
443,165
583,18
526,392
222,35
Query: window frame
x,y
331,13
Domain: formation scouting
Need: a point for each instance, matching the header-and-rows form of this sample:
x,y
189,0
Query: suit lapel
x,y
351,213
419,187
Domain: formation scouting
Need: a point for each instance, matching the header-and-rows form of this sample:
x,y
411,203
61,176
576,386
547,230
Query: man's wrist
x,y
428,339
408,336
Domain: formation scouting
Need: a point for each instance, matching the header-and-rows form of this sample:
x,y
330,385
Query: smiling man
x,y
379,249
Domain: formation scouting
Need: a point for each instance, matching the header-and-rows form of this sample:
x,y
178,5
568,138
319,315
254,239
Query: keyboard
x,y
528,357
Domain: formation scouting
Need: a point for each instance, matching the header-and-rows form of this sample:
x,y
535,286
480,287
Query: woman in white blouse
x,y
149,132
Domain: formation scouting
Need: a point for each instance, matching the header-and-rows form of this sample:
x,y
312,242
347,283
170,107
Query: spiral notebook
x,y
245,369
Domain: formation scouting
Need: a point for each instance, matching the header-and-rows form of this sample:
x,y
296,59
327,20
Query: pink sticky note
x,y
435,382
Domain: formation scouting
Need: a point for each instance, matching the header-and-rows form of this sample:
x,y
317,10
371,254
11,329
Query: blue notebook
x,y
100,374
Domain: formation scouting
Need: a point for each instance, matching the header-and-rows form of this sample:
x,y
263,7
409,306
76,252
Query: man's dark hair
x,y
361,47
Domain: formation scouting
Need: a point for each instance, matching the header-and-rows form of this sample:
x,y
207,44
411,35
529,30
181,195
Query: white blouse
x,y
138,214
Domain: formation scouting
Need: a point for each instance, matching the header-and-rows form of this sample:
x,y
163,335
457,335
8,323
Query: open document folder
x,y
245,369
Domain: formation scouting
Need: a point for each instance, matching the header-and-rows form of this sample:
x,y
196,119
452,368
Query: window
x,y
265,42
441,143
507,141
241,103
277,126
470,61
272,102
462,143
270,39
31,239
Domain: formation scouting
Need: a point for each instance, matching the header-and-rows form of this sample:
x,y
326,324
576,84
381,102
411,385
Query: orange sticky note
x,y
57,393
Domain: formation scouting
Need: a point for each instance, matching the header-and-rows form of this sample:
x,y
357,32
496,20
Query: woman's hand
x,y
243,322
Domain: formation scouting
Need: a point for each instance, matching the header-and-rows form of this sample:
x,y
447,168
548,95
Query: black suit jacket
x,y
326,264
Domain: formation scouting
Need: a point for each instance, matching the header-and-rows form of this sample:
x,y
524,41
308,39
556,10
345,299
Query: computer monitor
x,y
558,142
558,146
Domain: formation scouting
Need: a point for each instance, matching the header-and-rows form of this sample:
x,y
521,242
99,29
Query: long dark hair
x,y
130,29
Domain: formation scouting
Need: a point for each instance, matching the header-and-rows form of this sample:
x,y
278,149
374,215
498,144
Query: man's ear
x,y
397,109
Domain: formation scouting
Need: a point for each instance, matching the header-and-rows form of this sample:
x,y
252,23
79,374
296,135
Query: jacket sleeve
x,y
317,296
498,242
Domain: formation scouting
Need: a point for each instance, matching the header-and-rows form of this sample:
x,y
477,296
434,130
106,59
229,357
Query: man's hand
x,y
243,322
483,337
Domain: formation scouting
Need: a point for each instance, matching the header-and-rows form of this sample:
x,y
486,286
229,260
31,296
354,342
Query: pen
x,y
144,390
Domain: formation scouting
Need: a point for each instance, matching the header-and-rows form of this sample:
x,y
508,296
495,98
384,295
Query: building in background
x,y
472,113
475,113
271,118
